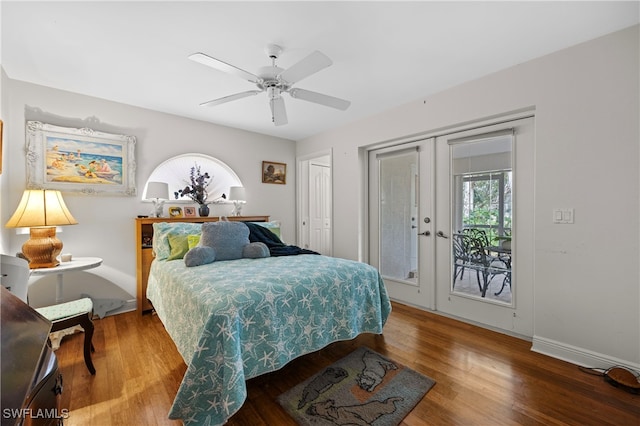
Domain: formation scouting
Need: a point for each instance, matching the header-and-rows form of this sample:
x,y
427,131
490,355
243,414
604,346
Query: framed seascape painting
x,y
79,160
273,172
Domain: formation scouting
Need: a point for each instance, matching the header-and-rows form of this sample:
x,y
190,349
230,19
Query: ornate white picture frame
x,y
79,160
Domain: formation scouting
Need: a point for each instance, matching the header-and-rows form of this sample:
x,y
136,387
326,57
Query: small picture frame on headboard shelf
x,y
175,211
189,212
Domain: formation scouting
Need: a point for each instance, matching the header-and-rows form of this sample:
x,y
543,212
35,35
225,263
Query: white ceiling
x,y
384,54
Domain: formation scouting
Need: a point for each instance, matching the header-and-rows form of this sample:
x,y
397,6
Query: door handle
x,y
425,233
441,234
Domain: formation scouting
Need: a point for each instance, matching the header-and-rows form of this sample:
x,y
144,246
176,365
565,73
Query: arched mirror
x,y
176,173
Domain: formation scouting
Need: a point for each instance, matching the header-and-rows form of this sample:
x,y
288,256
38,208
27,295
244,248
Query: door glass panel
x,y
398,207
482,194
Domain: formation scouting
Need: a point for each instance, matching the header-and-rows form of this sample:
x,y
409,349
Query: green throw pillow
x,y
193,240
162,230
179,245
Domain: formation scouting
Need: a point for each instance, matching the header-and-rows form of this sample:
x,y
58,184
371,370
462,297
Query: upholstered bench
x,y
70,314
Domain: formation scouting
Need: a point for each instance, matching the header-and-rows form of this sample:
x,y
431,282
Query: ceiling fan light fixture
x,y
273,92
275,80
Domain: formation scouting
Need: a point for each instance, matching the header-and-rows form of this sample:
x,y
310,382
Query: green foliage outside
x,y
481,204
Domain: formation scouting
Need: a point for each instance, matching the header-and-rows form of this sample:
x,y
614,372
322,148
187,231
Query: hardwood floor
x,y
482,377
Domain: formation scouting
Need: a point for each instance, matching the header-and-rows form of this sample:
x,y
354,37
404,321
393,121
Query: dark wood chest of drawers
x,y
31,380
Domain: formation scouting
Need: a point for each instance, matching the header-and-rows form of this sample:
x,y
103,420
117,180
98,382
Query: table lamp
x,y
41,210
237,197
158,192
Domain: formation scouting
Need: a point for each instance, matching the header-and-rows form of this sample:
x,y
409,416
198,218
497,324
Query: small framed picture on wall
x,y
189,212
273,172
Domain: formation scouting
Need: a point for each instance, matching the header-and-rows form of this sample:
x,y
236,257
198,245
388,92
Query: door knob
x,y
425,233
441,234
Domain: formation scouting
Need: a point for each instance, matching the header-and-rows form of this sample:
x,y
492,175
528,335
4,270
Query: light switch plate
x,y
563,216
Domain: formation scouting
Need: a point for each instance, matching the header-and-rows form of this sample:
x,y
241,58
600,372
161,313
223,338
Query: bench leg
x,y
87,324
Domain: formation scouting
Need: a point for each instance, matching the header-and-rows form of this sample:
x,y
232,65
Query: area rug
x,y
363,388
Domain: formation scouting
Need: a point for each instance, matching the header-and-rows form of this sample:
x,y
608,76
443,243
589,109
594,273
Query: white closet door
x,y
320,208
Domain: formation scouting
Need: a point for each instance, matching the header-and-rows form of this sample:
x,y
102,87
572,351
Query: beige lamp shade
x,y
41,207
41,210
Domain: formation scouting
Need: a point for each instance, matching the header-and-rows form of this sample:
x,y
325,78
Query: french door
x,y
401,224
424,196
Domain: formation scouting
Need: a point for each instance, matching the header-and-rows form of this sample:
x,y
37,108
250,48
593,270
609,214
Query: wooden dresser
x,y
31,379
144,252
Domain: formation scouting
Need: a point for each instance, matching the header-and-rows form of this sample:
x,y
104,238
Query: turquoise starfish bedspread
x,y
234,320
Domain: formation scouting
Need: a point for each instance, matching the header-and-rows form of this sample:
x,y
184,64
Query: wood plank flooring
x,y
482,377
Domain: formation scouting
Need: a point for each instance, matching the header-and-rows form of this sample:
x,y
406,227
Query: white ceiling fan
x,y
275,81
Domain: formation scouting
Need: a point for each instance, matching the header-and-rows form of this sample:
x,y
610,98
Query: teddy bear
x,y
224,241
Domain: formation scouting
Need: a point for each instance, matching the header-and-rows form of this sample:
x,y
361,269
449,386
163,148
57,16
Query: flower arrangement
x,y
197,190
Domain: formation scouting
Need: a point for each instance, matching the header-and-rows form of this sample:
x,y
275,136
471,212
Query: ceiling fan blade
x,y
224,67
319,98
230,98
278,111
307,66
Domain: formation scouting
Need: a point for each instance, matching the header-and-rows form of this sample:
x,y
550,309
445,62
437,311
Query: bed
x,y
236,319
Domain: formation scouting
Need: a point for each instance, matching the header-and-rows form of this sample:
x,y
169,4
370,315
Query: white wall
x,y
586,103
106,223
3,78
3,243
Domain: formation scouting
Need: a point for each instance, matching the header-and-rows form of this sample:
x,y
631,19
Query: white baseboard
x,y
578,356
